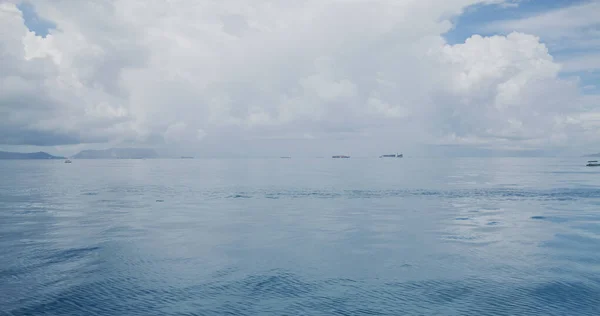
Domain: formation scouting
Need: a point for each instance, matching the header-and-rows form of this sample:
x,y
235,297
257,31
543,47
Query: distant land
x,y
117,153
593,155
37,155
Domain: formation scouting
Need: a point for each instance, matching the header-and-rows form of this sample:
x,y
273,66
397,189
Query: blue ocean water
x,y
501,236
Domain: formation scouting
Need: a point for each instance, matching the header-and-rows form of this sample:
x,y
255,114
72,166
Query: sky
x,y
301,78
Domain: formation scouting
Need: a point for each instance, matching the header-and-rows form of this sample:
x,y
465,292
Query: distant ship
x,y
67,161
340,156
392,156
285,157
593,163
187,157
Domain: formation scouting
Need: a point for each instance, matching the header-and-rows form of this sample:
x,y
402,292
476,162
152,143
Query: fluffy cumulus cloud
x,y
204,73
504,90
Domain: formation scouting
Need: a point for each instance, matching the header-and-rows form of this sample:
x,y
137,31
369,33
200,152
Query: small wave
x,y
285,293
488,194
69,254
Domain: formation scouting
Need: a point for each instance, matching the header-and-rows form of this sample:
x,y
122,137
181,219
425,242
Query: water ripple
x,y
491,194
285,293
462,237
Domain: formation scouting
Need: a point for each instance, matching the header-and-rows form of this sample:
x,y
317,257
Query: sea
x,y
410,236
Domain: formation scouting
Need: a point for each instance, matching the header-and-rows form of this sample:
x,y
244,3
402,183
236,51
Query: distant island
x,y
593,155
37,155
117,153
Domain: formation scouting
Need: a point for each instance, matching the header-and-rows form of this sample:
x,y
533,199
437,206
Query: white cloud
x,y
200,134
382,108
176,132
577,63
180,71
565,30
503,89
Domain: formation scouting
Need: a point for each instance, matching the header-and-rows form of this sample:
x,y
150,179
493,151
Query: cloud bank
x,y
212,75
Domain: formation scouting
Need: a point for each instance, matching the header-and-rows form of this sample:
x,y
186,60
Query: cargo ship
x,y
392,156
593,163
340,156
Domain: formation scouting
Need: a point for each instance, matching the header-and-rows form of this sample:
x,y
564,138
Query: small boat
x,y
593,163
67,161
340,156
285,157
392,156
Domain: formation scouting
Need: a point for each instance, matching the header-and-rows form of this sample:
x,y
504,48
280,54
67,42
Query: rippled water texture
x,y
300,237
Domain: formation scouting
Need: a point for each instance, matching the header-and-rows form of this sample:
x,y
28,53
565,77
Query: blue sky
x,y
476,17
40,26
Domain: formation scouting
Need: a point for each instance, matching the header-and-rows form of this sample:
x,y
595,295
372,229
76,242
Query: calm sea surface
x,y
300,237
